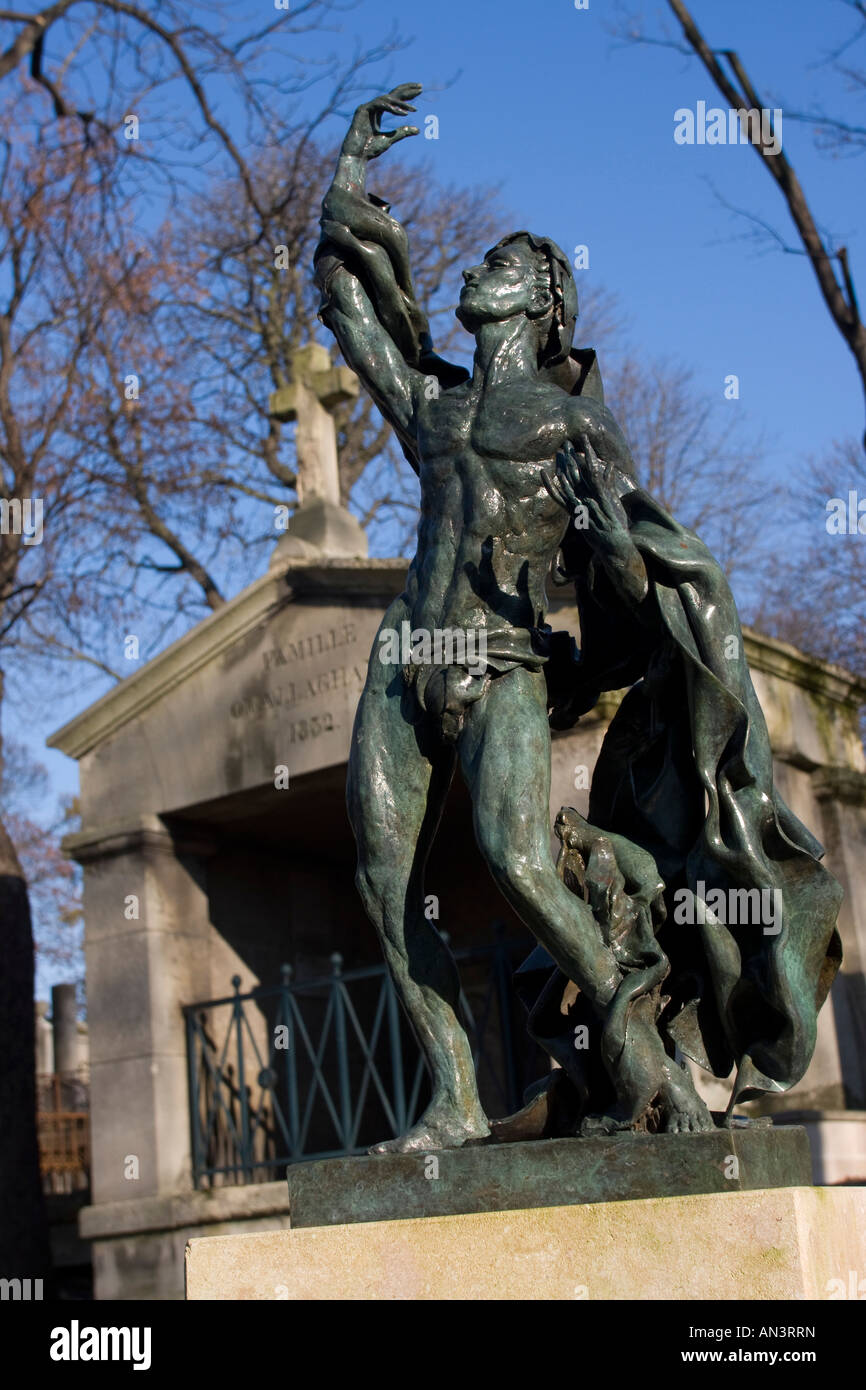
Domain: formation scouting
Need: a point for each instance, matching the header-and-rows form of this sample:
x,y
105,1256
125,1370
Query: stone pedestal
x,y
545,1173
786,1243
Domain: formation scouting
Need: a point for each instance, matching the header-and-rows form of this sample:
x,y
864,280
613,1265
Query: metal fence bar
x,y
342,1054
292,1106
371,1071
238,1017
236,1136
196,1136
319,1080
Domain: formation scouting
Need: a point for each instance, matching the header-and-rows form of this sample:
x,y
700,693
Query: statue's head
x,y
524,274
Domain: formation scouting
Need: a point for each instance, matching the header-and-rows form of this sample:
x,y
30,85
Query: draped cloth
x,y
685,772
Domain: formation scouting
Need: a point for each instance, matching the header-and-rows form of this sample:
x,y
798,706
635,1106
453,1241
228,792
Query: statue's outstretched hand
x,y
365,138
586,487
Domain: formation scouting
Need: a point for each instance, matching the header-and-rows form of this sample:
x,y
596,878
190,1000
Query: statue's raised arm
x,y
362,269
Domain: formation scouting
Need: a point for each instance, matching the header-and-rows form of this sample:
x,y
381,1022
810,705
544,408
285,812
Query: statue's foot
x,y
687,1122
683,1111
437,1129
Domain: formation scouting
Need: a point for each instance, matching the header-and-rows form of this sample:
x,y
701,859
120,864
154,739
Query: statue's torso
x,y
488,528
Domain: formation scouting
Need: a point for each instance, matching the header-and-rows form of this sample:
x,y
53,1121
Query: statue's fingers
x,y
395,108
405,91
550,485
615,517
400,133
597,515
591,469
568,466
570,455
554,488
584,470
593,462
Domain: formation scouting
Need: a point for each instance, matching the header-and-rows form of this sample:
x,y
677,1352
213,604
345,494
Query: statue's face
x,y
506,283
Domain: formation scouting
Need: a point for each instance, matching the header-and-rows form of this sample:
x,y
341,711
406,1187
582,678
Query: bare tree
x,y
706,473
53,880
832,623
185,466
42,336
830,265
252,301
832,134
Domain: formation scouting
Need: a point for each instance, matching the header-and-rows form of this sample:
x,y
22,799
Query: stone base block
x,y
545,1173
781,1243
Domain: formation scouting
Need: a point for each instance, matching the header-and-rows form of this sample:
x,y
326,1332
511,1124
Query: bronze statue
x,y
522,467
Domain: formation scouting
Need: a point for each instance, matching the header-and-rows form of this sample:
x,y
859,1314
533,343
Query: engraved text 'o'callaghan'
x,y
293,693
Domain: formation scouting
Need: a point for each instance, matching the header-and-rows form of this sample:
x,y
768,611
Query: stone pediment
x,y
270,679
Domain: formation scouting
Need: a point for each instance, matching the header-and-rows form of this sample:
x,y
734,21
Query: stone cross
x,y
317,387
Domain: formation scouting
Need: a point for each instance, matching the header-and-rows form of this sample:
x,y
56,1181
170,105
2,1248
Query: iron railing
x,y
324,1067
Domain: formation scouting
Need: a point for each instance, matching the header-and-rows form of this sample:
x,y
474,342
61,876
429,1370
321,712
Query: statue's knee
x,y
525,879
516,875
371,883
383,891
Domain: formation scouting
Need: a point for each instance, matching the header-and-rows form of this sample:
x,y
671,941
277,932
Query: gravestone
x,y
320,524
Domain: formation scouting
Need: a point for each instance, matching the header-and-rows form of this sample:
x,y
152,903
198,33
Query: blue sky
x,y
577,129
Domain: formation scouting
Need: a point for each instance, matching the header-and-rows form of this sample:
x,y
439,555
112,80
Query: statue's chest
x,y
509,425
518,427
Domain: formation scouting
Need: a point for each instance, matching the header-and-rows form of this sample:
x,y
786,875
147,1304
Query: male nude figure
x,y
488,532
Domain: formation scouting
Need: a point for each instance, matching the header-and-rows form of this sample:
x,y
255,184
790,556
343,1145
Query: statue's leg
x,y
505,757
399,774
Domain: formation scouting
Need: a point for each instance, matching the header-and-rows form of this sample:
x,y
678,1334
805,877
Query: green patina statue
x,y
523,470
